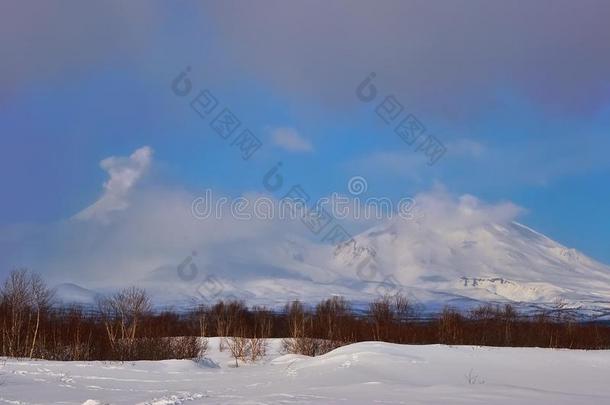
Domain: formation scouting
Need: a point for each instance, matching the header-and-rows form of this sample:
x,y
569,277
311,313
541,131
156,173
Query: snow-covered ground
x,y
362,373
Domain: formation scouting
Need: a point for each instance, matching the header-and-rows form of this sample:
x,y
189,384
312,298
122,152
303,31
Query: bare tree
x,y
299,326
329,313
262,331
25,296
16,297
450,326
382,316
405,310
202,322
295,315
134,303
121,314
226,316
41,298
110,317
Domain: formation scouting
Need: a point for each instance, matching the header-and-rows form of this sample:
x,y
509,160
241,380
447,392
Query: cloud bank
x,y
141,234
452,57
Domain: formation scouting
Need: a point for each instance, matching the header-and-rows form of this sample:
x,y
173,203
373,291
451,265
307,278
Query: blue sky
x,y
519,95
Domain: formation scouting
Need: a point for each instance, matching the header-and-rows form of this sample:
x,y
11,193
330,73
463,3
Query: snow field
x,y
362,373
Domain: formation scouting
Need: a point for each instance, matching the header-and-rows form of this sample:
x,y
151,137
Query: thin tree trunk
x,y
35,332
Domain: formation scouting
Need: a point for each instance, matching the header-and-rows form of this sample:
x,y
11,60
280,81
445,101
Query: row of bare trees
x,y
24,300
333,323
124,326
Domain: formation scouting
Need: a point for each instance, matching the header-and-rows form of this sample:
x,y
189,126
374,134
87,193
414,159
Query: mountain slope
x,y
457,258
70,293
484,262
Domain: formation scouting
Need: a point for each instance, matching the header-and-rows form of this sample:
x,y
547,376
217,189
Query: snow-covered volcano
x,y
486,262
460,266
458,252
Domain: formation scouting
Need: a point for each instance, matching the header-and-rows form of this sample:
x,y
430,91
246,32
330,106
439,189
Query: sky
x,y
101,154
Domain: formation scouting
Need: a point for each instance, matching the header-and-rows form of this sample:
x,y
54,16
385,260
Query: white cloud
x,y
291,140
153,231
156,231
445,212
404,164
466,147
124,173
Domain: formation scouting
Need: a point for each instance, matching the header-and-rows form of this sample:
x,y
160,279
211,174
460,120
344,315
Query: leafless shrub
x,y
187,347
239,348
203,347
158,348
258,348
262,321
121,314
246,349
473,378
306,346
